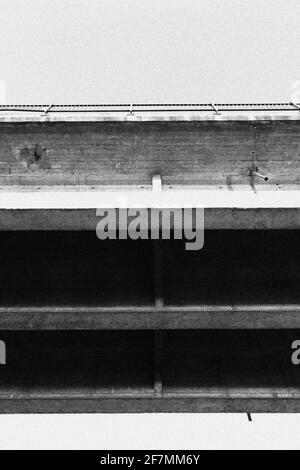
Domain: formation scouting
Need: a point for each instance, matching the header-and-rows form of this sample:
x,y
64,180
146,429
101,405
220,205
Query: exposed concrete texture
x,y
86,219
182,152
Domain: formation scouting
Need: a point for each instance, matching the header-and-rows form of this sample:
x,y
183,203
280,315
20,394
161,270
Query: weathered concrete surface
x,y
68,286
72,280
211,371
86,219
91,153
231,317
73,404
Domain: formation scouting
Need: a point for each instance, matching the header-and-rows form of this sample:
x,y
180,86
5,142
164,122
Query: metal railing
x,y
131,108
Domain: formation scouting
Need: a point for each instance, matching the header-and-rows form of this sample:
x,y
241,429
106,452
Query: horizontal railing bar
x,y
133,108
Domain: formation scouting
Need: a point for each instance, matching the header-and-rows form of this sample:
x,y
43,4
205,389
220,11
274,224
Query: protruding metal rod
x,y
297,106
48,109
215,108
130,112
252,172
249,417
259,175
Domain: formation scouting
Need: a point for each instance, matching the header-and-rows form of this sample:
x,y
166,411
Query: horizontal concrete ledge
x,y
166,404
147,318
213,392
146,198
86,219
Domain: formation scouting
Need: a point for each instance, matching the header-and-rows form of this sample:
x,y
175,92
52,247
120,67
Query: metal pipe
x,y
259,175
253,171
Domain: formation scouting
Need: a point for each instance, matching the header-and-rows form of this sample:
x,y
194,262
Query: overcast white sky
x,y
105,51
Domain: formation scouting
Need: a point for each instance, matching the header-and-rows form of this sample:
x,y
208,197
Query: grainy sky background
x,y
109,51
